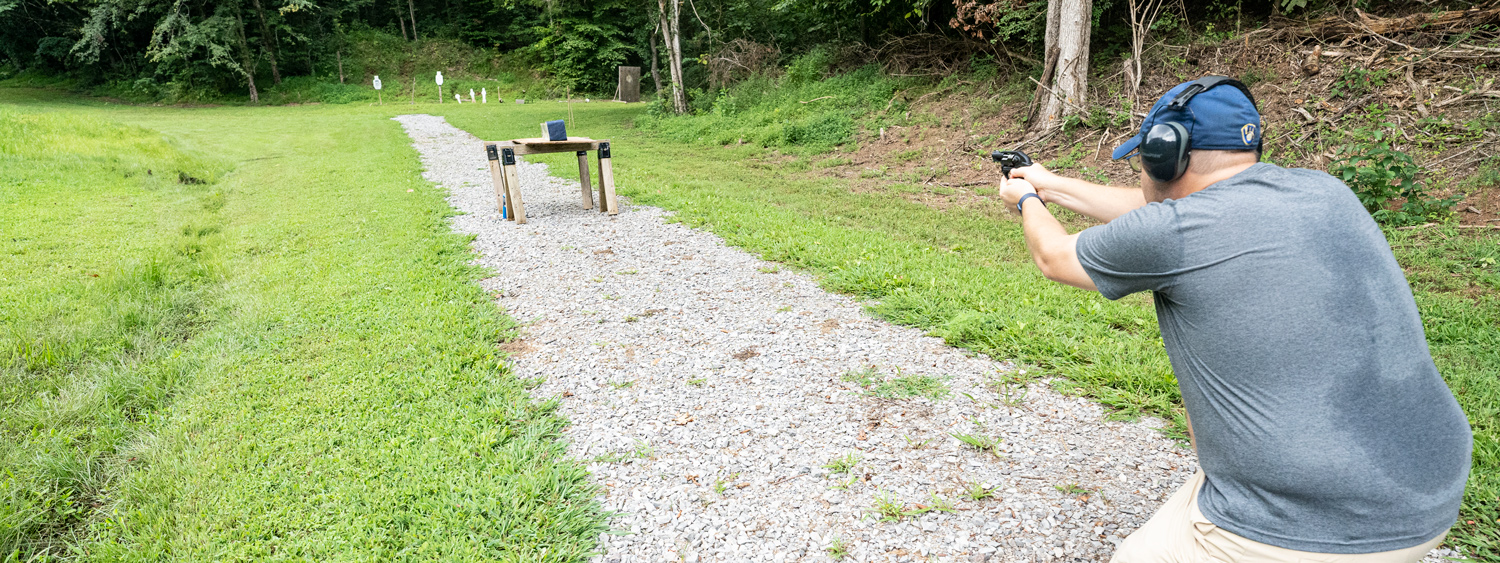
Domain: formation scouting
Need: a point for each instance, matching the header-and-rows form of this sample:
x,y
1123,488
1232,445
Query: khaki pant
x,y
1178,533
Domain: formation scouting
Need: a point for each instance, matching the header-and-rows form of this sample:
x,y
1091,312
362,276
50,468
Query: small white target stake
x,y
378,95
471,95
458,98
440,86
484,95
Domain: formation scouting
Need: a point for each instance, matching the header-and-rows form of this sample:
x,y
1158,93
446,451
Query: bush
x,y
1379,174
824,130
1356,81
810,67
580,54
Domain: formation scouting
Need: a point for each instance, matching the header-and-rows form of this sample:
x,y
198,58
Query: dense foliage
x,y
202,49
178,49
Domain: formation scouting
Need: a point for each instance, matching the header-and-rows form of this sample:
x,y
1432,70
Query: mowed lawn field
x,y
247,334
284,357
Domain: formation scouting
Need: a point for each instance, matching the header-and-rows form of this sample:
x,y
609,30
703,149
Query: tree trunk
x,y
341,65
1143,14
412,5
268,41
1049,63
655,74
1065,86
669,27
401,22
248,64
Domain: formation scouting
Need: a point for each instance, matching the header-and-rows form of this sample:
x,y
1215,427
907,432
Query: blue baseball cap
x,y
1220,118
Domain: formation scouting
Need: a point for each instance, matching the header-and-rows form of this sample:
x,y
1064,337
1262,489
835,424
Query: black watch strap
x,y
1022,201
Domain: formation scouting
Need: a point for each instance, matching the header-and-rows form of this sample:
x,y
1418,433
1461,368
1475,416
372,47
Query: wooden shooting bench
x,y
502,157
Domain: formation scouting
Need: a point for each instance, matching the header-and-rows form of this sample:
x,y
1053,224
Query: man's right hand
x,y
1103,203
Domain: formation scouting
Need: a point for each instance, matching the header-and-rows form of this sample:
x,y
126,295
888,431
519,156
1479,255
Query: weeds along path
x,y
734,412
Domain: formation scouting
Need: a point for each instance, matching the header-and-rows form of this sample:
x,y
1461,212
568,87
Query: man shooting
x,y
1323,430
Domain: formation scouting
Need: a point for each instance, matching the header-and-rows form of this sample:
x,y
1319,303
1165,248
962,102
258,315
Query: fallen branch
x,y
816,99
1430,225
940,90
1060,97
1039,138
1453,21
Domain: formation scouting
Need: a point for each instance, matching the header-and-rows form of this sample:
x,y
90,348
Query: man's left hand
x,y
1011,190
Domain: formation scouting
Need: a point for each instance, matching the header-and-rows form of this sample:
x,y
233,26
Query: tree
x,y
655,59
412,6
672,36
267,41
1143,14
1063,89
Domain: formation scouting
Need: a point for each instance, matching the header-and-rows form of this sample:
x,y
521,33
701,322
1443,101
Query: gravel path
x,y
708,389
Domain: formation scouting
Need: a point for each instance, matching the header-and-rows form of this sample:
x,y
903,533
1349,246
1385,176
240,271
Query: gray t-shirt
x,y
1320,419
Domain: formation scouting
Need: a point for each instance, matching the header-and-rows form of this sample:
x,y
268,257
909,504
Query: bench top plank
x,y
538,145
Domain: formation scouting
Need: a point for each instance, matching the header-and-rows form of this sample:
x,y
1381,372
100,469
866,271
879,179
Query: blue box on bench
x,y
555,131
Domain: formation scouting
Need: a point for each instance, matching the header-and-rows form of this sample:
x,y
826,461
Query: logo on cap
x,y
1247,133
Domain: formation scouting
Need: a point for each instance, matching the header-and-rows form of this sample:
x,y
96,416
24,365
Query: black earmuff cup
x,y
1164,153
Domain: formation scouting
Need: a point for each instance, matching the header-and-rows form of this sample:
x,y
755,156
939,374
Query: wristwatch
x,y
1022,201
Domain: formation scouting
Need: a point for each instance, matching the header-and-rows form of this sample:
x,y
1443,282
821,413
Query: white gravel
x,y
705,387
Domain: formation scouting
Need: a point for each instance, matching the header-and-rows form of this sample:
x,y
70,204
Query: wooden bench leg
x,y
603,197
607,180
513,184
496,178
583,179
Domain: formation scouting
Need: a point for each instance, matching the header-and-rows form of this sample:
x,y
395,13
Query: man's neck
x,y
1191,182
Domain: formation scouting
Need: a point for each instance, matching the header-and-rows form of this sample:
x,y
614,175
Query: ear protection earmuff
x,y
1164,151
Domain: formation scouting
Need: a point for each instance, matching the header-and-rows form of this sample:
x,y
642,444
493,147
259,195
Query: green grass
x,y
842,464
899,386
837,550
887,507
975,491
812,116
110,265
964,275
289,361
977,441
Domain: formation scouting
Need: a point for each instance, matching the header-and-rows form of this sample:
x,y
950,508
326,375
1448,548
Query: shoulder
x,y
1151,230
1271,174
1151,219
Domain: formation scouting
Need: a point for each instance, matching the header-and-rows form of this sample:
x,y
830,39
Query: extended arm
x,y
1052,248
1103,203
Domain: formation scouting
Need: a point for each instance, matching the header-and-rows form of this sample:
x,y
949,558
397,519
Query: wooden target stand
x,y
502,156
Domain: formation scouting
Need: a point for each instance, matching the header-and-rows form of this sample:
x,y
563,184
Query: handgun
x,y
1009,160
